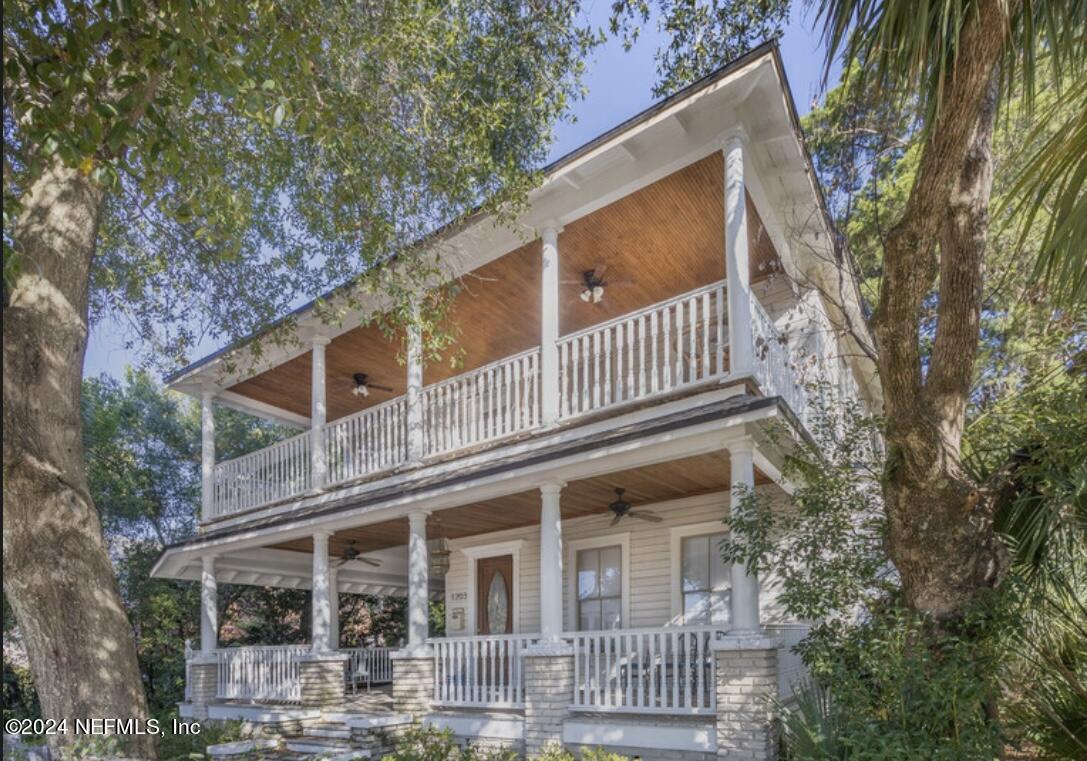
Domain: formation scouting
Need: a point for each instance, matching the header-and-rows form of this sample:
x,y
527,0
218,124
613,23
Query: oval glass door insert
x,y
497,604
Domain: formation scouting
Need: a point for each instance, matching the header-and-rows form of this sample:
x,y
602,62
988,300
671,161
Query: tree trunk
x,y
57,572
940,528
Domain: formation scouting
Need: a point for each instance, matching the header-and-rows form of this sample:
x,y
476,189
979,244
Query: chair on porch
x,y
358,670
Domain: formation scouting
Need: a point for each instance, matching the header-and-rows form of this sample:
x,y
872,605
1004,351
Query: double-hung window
x,y
704,580
600,588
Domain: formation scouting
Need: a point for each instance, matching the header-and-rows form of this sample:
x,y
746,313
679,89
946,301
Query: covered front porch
x,y
549,597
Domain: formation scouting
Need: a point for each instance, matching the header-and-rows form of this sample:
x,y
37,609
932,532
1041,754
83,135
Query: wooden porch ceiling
x,y
686,477
661,241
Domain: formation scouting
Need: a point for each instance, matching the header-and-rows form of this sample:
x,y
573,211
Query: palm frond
x,y
1048,194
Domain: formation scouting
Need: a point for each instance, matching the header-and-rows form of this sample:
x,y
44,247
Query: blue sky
x,y
619,85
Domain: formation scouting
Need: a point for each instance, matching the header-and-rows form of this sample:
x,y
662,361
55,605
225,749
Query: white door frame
x,y
495,550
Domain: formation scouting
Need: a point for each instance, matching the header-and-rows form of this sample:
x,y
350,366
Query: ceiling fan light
x,y
598,294
587,295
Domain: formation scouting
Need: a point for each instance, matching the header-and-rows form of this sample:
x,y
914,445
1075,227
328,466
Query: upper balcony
x,y
535,355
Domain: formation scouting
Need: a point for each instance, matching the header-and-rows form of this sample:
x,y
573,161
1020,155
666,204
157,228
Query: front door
x,y
494,595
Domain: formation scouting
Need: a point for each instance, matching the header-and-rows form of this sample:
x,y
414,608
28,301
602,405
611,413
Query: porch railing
x,y
791,668
369,665
667,346
799,373
276,472
655,350
369,441
480,671
496,400
669,670
269,673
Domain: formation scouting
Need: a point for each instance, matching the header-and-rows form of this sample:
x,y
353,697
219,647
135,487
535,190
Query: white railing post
x,y
549,327
745,586
414,390
333,609
208,507
737,263
418,580
209,607
322,617
318,414
550,561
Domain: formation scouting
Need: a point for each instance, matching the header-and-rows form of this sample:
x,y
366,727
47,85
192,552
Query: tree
x,y
943,70
214,160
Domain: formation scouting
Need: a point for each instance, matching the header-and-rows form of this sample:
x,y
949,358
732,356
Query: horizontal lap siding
x,y
650,562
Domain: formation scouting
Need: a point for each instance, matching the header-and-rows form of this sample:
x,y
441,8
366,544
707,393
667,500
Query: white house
x,y
669,296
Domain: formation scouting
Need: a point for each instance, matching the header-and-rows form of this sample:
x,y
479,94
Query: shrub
x,y
430,744
556,752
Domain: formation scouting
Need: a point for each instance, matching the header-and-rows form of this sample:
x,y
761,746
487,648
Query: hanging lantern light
x,y
439,557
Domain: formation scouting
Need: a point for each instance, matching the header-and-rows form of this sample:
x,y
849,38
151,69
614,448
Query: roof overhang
x,y
751,93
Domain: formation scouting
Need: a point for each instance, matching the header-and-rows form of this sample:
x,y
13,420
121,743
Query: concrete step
x,y
328,731
318,746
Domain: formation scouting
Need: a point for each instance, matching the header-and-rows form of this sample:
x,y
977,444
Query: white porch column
x,y
549,327
418,580
550,562
745,586
207,455
737,263
333,609
415,391
320,602
209,607
318,414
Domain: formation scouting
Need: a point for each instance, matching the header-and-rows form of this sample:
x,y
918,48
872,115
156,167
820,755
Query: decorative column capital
x,y
418,517
732,136
549,231
746,445
208,561
552,488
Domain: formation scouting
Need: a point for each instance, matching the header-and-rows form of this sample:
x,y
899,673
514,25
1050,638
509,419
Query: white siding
x,y
650,563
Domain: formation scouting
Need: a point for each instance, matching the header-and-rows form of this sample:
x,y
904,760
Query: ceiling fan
x,y
351,552
592,284
621,508
363,385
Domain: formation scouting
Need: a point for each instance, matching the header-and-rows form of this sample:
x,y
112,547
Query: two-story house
x,y
566,487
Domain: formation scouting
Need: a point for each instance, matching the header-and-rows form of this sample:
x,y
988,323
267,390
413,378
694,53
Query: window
x,y
704,580
600,588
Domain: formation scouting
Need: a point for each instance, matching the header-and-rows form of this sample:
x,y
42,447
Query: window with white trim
x,y
704,580
600,588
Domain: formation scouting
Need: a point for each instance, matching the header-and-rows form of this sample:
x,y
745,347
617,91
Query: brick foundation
x,y
203,685
747,683
413,681
549,691
322,679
